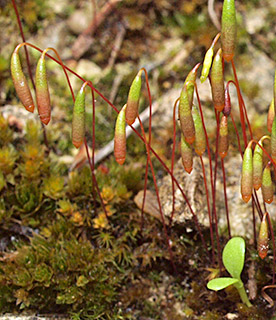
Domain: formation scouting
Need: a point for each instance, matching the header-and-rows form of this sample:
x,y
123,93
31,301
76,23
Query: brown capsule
x,y
187,127
20,83
186,155
223,143
263,238
227,103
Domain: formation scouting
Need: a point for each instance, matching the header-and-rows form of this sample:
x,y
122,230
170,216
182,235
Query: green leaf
x,y
221,283
233,256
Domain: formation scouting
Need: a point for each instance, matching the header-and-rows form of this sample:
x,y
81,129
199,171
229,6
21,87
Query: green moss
x,y
6,134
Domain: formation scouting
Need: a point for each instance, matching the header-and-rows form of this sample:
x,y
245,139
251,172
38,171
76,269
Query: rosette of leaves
x,y
2,181
54,187
6,134
33,164
43,273
8,156
80,182
28,196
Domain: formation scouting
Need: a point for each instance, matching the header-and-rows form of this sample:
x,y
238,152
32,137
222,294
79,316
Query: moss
x,y
6,133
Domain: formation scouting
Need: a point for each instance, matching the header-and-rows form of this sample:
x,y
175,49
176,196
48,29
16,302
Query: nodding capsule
x,y
42,91
200,140
227,102
223,143
258,165
120,137
270,116
217,82
133,99
228,30
207,64
247,174
267,185
186,155
20,83
263,238
273,140
78,123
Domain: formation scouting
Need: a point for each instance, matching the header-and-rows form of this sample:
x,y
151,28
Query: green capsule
x,y
133,99
274,90
223,143
78,123
185,116
186,155
200,140
258,166
207,64
247,174
120,137
217,82
189,83
273,140
20,83
42,91
263,238
270,115
267,185
185,106
228,29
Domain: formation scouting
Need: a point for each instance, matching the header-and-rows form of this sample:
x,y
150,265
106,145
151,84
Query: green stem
x,y
243,294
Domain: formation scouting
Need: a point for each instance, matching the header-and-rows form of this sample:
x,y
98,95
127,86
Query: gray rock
x,y
240,213
58,7
257,74
80,19
54,36
89,70
255,21
19,113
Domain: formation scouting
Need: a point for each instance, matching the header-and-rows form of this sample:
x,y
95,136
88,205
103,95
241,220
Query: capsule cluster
x,y
20,83
255,174
192,132
41,85
127,114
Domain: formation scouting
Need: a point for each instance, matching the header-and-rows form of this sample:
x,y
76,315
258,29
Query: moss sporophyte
x,y
191,132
